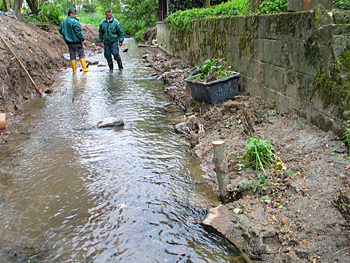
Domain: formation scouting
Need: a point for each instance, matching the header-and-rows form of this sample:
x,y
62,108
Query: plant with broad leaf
x,y
259,154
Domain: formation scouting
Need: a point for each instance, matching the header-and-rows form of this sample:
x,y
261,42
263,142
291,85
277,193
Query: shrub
x,y
181,19
138,36
46,14
344,4
273,6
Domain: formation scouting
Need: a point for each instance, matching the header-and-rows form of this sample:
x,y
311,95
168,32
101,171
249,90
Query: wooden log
x,y
221,168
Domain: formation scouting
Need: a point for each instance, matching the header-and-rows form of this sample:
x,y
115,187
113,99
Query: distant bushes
x,y
181,19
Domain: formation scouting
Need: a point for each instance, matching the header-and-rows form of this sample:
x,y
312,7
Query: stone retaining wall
x,y
300,60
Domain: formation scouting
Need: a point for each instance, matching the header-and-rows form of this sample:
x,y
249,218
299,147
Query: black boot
x,y
110,64
120,64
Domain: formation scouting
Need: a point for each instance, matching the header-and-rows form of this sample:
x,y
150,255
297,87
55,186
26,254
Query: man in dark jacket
x,y
111,33
71,31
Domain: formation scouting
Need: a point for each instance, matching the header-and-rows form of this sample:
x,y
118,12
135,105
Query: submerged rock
x,y
110,122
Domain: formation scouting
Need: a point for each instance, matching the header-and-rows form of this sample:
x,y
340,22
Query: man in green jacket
x,y
111,33
70,29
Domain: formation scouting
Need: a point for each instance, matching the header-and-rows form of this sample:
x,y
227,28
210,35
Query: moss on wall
x,y
335,88
245,43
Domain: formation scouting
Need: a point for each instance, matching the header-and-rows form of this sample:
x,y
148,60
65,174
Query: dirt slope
x,y
40,48
299,213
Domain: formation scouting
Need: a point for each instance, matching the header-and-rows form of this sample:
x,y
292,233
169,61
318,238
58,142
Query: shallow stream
x,y
70,192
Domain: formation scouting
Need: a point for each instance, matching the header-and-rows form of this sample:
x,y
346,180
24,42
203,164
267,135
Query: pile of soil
x,y
299,213
40,48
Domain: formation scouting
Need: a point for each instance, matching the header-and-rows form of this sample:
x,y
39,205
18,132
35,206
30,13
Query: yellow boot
x,y
74,65
83,64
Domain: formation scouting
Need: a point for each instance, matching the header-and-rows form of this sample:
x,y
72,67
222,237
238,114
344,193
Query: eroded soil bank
x,y
299,213
40,49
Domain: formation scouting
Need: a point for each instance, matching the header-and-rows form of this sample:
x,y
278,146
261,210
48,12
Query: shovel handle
x,y
36,88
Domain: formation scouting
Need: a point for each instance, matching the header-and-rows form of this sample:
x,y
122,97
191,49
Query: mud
x,y
299,213
41,49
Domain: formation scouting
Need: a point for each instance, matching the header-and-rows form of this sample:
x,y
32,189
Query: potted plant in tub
x,y
213,82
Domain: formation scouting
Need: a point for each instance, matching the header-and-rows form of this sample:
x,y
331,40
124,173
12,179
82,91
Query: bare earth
x,y
303,215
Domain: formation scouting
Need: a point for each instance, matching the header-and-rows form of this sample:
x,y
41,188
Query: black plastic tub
x,y
216,91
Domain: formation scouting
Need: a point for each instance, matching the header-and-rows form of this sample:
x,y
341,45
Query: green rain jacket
x,y
70,29
110,32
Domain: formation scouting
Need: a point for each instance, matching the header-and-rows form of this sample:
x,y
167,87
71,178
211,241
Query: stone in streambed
x,y
110,122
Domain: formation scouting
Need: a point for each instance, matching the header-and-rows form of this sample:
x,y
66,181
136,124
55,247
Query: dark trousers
x,y
111,49
76,48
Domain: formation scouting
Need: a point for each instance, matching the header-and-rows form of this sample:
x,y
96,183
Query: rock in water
x,y
219,218
110,122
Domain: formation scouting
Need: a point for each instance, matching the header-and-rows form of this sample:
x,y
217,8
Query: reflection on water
x,y
71,192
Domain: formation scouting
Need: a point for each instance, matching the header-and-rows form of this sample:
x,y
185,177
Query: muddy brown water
x,y
71,192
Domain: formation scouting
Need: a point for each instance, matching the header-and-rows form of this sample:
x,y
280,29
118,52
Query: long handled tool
x,y
36,88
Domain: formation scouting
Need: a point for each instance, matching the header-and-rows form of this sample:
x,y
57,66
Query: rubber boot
x,y
74,65
110,64
83,64
120,64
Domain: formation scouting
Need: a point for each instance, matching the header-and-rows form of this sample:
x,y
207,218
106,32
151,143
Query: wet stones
x,y
110,122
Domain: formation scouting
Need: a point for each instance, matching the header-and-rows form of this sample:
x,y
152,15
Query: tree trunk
x,y
17,6
33,5
207,3
5,5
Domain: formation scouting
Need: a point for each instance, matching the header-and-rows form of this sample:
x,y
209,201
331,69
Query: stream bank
x,y
41,49
299,213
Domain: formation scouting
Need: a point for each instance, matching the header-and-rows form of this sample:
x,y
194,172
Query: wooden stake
x,y
221,167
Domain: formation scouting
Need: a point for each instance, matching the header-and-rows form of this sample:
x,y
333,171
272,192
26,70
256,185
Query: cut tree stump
x,y
221,168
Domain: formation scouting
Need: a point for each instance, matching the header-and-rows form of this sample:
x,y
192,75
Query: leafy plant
x,y
272,112
265,197
344,4
181,19
47,13
138,36
210,65
273,6
258,185
259,154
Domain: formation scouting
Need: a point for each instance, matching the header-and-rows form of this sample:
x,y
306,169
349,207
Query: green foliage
x,y
265,197
210,65
175,5
2,6
64,6
138,36
272,112
258,185
138,15
273,6
89,8
181,19
52,12
258,154
344,4
46,14
94,19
